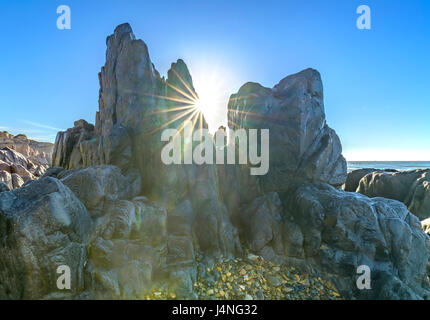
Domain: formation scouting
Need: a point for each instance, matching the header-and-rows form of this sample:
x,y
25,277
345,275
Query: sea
x,y
398,165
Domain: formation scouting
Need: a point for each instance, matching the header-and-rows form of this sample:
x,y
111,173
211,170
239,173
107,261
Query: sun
x,y
212,98
205,100
208,101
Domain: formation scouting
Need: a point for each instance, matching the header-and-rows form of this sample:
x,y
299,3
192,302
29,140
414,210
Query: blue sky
x,y
376,82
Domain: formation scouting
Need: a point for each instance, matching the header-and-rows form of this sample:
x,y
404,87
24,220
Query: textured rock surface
x,y
67,151
4,187
410,187
354,177
344,230
132,101
129,251
16,169
98,185
42,226
39,153
165,227
302,147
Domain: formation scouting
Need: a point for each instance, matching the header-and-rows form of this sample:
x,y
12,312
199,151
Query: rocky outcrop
x,y
302,147
149,225
43,226
99,185
135,104
67,151
342,231
4,187
22,159
129,251
16,169
39,153
353,179
410,187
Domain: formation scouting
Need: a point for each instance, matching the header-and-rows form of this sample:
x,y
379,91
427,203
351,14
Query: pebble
x,y
254,278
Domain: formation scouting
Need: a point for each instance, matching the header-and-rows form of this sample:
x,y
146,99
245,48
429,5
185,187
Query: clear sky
x,y
376,82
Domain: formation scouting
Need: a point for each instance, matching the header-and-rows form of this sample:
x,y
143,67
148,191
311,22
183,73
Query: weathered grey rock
x,y
344,230
66,151
114,149
354,177
410,187
17,181
215,233
14,163
96,185
53,172
4,187
39,153
261,224
6,178
418,200
42,226
5,166
132,104
22,172
129,251
302,147
127,82
208,209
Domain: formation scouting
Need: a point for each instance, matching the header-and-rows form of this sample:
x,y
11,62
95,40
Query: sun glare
x,y
213,97
209,100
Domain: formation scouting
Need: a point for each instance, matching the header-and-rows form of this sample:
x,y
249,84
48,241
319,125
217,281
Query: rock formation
x,y
303,148
39,153
410,187
344,230
42,226
16,169
22,160
148,225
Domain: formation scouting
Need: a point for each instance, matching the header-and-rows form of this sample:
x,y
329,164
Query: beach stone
x,y
410,187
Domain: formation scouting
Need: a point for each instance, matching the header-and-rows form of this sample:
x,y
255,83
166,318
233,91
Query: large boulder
x,y
260,224
96,185
302,147
418,200
343,231
410,187
354,177
42,226
129,250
